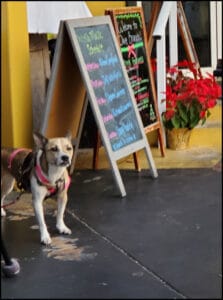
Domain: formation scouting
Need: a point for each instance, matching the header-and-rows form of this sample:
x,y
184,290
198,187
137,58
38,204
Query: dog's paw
x,y
3,213
45,239
63,229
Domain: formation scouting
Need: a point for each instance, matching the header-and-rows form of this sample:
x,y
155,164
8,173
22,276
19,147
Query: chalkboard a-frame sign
x,y
98,56
130,31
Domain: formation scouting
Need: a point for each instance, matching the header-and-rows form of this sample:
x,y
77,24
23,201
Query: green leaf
x,y
176,121
203,121
194,122
194,110
183,124
208,113
183,112
167,123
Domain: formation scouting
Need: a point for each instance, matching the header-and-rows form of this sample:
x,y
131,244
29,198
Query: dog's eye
x,y
69,148
54,149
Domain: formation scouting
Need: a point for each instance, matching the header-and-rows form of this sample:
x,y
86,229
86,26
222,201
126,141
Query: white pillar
x,y
161,77
173,45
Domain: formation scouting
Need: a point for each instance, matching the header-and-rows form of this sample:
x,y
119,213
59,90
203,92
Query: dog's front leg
x,y
61,205
38,195
38,208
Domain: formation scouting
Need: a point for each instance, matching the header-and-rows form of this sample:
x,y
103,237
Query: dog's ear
x,y
69,135
40,140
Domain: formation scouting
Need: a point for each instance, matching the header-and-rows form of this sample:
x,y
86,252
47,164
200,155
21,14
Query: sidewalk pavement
x,y
161,241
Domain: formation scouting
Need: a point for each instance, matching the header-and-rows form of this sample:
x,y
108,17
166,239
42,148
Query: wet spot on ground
x,y
66,249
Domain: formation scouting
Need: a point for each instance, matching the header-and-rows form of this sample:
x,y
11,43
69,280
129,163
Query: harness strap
x,y
43,180
14,153
39,173
67,184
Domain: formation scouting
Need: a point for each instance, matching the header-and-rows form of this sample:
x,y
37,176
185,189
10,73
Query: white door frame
x,y
216,33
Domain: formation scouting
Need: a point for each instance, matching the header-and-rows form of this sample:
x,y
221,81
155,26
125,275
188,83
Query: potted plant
x,y
189,97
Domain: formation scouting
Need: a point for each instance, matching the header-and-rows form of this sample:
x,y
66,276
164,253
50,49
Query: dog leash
x,y
14,201
11,157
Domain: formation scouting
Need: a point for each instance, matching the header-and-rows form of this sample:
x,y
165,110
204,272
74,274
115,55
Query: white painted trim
x,y
161,77
162,19
213,35
219,29
139,3
173,46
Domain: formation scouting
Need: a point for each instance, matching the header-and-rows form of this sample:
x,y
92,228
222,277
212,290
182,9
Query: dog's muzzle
x,y
64,160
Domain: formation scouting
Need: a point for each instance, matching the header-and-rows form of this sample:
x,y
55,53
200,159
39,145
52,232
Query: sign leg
x,y
118,178
77,140
151,161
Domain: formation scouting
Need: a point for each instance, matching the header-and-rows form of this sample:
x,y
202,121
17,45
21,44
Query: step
x,y
209,134
204,149
216,112
194,157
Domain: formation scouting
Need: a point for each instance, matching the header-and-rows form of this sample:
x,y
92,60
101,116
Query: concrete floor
x,y
163,240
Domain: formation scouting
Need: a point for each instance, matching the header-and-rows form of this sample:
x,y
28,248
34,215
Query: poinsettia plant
x,y
189,96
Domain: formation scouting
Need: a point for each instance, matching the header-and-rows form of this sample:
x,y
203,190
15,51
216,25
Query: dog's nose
x,y
65,158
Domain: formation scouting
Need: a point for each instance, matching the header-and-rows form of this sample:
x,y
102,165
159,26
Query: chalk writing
x,y
108,118
134,61
115,94
110,88
109,78
133,49
97,83
92,66
94,49
91,35
130,16
101,101
107,61
113,135
126,127
121,109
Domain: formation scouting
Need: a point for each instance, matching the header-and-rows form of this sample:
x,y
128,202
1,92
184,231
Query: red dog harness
x,y
14,153
39,174
43,180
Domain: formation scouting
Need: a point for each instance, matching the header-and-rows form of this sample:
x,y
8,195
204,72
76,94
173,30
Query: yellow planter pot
x,y
178,138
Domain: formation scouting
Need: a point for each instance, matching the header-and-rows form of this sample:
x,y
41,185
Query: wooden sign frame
x,y
183,29
66,103
156,6
114,13
70,37
186,36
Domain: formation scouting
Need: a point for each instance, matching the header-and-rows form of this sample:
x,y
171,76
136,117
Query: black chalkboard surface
x,y
134,54
131,38
130,31
109,85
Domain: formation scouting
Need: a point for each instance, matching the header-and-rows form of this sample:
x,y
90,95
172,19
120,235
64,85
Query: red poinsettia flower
x,y
189,96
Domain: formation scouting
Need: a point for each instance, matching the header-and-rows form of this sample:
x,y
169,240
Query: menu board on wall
x,y
129,26
101,68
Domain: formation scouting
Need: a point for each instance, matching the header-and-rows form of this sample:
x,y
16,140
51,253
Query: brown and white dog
x,y
43,172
